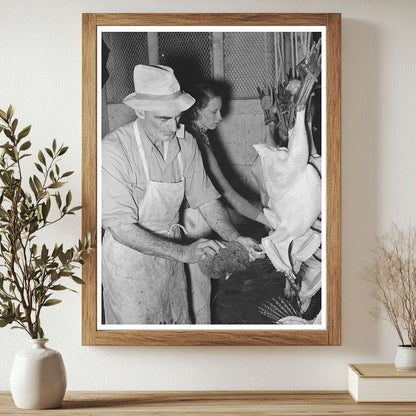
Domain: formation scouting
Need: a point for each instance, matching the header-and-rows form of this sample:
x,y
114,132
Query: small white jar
x,y
38,377
405,358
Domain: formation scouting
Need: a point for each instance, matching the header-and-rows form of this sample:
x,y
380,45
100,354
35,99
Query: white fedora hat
x,y
156,88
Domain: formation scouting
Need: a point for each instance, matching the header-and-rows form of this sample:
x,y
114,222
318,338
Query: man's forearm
x,y
146,242
218,219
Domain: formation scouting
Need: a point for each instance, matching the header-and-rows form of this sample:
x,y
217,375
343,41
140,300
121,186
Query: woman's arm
x,y
235,200
244,207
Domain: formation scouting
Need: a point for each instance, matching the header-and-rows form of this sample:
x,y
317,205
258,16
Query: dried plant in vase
x,y
393,277
31,273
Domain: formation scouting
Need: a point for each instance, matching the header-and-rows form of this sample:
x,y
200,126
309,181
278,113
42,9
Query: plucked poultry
x,y
294,190
291,186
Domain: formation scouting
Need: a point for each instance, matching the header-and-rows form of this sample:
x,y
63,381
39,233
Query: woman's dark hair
x,y
202,93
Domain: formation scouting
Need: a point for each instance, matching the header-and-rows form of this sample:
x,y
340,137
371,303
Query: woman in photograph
x,y
203,116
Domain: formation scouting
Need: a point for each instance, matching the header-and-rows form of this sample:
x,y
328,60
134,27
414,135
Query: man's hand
x,y
255,250
200,249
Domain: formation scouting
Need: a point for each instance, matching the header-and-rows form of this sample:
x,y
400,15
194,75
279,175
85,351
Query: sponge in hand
x,y
233,257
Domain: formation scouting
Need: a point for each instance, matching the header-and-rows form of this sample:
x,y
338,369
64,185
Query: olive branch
x,y
31,274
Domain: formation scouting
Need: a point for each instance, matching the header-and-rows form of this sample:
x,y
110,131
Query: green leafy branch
x,y
30,275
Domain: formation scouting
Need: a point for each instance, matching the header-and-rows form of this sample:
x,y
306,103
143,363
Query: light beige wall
x,y
40,74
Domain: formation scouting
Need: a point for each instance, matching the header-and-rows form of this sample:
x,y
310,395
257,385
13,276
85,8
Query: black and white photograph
x,y
211,178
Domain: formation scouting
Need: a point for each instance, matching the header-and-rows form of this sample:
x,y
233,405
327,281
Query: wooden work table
x,y
178,403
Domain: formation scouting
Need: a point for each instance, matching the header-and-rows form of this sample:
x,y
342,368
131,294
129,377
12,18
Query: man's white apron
x,y
139,288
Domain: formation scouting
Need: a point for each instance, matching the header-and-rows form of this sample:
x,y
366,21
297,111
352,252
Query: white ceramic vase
x,y
38,377
405,358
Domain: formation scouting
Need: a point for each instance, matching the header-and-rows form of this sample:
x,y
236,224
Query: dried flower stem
x,y
393,276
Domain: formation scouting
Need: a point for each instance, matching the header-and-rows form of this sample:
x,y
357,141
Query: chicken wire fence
x,y
248,59
126,50
189,54
248,62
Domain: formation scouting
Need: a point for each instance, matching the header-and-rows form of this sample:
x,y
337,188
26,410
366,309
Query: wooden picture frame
x,y
331,333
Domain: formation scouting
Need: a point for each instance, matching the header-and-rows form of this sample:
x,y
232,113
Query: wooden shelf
x,y
179,403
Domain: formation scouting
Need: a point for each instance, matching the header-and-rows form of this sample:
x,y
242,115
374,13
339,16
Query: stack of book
x,y
381,383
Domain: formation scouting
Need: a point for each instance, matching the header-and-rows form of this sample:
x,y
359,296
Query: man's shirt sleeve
x,y
118,203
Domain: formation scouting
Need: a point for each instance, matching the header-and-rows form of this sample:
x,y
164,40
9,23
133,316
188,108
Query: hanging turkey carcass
x,y
293,188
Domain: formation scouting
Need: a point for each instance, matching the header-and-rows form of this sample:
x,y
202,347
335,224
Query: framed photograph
x,y
211,172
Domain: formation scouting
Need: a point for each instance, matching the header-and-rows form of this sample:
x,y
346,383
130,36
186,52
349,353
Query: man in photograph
x,y
148,167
